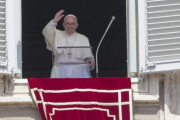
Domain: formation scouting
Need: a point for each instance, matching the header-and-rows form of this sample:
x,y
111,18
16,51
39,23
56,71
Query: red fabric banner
x,y
82,98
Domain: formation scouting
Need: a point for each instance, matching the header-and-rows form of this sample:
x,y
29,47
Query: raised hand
x,y
58,16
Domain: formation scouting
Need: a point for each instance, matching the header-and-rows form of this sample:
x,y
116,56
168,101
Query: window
x,y
158,35
10,37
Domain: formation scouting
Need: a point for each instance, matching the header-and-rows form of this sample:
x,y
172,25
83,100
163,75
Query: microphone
x,y
100,44
113,17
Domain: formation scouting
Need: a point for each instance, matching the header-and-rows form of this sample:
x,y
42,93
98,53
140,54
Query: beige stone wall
x,y
15,101
157,97
19,112
146,97
172,95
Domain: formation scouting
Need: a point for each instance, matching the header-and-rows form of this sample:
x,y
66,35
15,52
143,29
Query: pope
x,y
68,37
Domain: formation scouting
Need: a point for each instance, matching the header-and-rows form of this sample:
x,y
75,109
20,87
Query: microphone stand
x,y
100,44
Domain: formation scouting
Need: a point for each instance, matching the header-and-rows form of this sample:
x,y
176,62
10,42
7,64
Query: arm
x,y
49,29
90,60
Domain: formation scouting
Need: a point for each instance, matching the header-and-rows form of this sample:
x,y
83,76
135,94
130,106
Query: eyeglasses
x,y
68,24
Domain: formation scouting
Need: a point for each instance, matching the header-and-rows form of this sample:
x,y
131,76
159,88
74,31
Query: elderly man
x,y
55,38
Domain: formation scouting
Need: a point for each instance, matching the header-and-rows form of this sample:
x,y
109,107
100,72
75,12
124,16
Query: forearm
x,y
49,30
49,34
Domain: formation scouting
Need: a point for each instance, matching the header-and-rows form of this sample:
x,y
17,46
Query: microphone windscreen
x,y
113,17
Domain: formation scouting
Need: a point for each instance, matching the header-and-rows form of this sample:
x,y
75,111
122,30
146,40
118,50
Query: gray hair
x,y
71,16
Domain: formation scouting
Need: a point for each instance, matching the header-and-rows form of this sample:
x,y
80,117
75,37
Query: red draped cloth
x,y
82,98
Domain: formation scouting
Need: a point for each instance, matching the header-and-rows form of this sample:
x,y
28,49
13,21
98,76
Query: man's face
x,y
70,25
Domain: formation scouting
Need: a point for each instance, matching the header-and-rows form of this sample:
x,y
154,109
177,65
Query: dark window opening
x,y
93,18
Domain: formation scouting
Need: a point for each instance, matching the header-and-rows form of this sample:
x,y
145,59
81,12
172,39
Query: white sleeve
x,y
49,34
53,24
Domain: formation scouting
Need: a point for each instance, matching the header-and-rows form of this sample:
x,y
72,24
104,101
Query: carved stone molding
x,y
148,91
19,96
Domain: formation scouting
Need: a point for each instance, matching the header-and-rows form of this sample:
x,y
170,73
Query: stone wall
x,y
19,112
157,97
16,102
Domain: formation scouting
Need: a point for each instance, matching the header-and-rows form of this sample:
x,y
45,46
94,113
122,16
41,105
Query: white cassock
x,y
55,38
